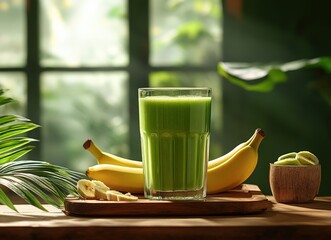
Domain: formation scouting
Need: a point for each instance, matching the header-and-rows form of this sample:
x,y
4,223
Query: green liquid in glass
x,y
175,144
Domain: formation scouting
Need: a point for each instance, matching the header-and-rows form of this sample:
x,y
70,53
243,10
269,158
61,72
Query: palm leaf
x,y
13,155
14,129
40,181
13,143
27,182
12,118
33,181
21,191
4,100
5,200
12,148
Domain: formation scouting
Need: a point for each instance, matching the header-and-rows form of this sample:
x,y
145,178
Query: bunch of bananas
x,y
224,173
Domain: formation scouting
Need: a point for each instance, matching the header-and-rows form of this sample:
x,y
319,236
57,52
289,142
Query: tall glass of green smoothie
x,y
175,130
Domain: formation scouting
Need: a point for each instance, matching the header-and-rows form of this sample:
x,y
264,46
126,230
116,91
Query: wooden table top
x,y
279,221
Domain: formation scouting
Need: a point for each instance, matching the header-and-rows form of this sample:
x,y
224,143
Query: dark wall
x,y
294,115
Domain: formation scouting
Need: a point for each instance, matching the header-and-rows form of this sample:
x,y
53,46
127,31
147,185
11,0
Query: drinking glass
x,y
175,130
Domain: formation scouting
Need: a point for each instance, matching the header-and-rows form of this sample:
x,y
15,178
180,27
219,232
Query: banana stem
x,y
92,148
257,139
251,138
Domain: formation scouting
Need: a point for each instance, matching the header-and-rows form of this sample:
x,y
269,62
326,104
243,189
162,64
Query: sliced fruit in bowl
x,y
295,177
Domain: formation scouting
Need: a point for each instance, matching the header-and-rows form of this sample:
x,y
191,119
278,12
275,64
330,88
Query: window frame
x,y
138,68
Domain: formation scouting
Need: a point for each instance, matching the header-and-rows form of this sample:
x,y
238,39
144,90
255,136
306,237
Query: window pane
x,y
212,80
83,33
12,33
14,85
78,106
185,32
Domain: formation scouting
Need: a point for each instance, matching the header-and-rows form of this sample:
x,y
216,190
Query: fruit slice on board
x,y
86,188
114,195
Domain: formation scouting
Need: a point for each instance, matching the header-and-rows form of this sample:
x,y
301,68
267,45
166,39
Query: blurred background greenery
x,y
74,67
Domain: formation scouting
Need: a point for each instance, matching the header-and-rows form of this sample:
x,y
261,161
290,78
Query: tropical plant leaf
x,y
12,118
34,180
264,77
6,201
21,189
13,155
4,100
41,181
14,143
14,129
28,182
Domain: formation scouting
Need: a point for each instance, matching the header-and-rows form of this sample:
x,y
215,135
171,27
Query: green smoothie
x,y
175,143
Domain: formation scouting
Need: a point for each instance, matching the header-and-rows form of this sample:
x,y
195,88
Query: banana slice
x,y
86,189
300,158
308,157
100,193
114,195
288,161
100,190
304,160
127,197
100,184
287,155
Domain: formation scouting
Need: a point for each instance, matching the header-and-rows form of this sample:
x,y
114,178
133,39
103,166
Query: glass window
x,y
78,106
12,33
82,46
185,32
83,33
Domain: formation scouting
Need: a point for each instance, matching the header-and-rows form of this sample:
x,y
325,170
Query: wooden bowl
x,y
294,183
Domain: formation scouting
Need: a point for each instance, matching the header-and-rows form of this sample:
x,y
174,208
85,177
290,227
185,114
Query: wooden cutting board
x,y
245,199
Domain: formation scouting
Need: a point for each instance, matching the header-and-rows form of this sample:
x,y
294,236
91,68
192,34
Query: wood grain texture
x,y
280,221
294,184
246,199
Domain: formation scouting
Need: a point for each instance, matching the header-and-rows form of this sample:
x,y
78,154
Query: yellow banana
x,y
126,179
236,169
107,158
230,173
225,157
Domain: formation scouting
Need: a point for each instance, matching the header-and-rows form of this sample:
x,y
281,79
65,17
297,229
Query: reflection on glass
x,y
78,106
12,33
83,33
185,32
14,85
210,79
